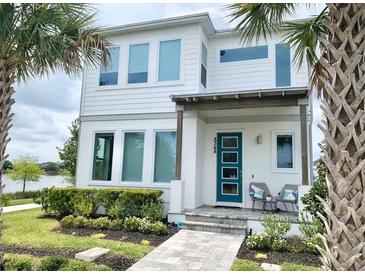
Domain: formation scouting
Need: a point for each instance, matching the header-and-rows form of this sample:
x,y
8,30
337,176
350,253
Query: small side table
x,y
273,205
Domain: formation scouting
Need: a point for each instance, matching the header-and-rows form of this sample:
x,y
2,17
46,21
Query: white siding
x,y
152,97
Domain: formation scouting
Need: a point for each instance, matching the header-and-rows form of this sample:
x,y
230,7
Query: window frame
x,y
119,71
107,182
139,183
275,169
148,82
155,131
181,74
205,66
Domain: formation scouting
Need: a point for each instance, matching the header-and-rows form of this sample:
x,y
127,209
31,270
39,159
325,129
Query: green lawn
x,y
23,228
20,202
246,265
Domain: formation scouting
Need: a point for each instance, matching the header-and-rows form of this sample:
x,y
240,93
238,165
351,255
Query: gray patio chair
x,y
280,198
266,190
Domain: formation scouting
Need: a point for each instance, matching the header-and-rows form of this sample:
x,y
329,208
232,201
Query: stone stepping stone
x,y
92,254
271,267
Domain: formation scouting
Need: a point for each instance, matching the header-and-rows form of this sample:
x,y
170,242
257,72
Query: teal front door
x,y
229,167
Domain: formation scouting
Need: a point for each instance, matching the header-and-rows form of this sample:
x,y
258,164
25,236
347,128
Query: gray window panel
x,y
282,64
109,74
133,156
103,156
284,154
165,156
169,60
138,63
243,54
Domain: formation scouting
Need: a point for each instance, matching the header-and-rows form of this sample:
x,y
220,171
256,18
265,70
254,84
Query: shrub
x,y
275,227
152,211
100,223
131,224
18,263
310,200
52,263
279,245
118,203
310,231
116,224
258,241
75,266
22,195
75,222
295,244
159,228
4,200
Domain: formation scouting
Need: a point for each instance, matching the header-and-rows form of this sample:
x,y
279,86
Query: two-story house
x,y
188,109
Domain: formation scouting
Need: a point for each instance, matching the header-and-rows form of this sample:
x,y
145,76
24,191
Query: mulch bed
x,y
274,257
121,235
115,262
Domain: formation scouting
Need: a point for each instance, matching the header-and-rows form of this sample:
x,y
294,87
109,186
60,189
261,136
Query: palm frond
x,y
259,19
303,35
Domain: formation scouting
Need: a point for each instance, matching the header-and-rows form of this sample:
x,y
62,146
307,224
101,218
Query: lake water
x,y
46,181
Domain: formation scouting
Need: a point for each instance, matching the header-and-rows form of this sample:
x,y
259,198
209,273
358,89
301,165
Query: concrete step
x,y
216,227
216,219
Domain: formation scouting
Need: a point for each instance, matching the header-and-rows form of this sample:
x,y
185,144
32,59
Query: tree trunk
x,y
7,78
341,78
24,186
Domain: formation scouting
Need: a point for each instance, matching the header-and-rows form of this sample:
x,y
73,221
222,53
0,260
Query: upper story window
x,y
282,65
109,74
138,63
243,54
204,65
169,60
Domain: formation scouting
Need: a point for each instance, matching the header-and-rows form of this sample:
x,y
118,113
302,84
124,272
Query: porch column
x,y
179,134
304,140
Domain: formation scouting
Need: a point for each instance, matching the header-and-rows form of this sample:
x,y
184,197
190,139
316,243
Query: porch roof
x,y
241,99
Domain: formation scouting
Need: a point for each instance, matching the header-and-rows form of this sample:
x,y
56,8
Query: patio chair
x,y
285,200
266,193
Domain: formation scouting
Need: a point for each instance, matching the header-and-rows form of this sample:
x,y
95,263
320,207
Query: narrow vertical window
x,y
103,156
133,156
138,63
169,60
204,64
282,64
284,151
109,74
165,156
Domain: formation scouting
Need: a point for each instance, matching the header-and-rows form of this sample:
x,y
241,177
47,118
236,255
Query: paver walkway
x,y
20,207
192,250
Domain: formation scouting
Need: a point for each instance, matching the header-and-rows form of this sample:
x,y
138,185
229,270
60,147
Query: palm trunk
x,y
7,78
342,78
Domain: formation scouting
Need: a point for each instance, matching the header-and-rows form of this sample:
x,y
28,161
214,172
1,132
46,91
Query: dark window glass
x,y
243,54
284,154
103,156
203,76
109,74
138,64
230,142
229,157
230,172
230,188
204,64
282,64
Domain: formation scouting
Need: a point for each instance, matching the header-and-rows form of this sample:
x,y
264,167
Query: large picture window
x,y
138,63
169,60
284,151
133,156
109,74
165,156
103,156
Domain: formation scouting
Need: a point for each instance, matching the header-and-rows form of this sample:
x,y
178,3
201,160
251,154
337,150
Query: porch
x,y
213,175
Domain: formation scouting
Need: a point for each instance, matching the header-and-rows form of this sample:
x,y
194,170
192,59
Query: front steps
x,y
216,223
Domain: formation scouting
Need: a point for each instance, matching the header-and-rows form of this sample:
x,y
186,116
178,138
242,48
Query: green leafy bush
x,y
152,211
52,263
158,228
22,195
4,200
100,223
75,222
116,224
118,203
131,224
18,263
75,266
144,225
258,241
310,231
279,245
275,227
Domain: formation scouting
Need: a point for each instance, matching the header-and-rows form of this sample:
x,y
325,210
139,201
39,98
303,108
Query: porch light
x,y
259,139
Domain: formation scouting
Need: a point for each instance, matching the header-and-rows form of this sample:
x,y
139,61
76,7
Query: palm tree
x,y
333,43
38,39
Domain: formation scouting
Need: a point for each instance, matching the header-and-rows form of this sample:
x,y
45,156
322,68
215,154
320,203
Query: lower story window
x,y
103,156
165,156
133,156
284,151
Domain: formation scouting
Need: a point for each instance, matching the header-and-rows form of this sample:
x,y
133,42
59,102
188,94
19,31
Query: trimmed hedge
x,y
21,195
118,203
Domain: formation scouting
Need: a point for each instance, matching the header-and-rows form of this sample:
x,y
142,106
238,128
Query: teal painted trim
x,y
222,197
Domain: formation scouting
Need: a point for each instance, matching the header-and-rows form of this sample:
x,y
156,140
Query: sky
x,y
45,107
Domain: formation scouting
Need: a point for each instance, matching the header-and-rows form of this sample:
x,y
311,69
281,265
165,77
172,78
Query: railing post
x,y
179,134
304,142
